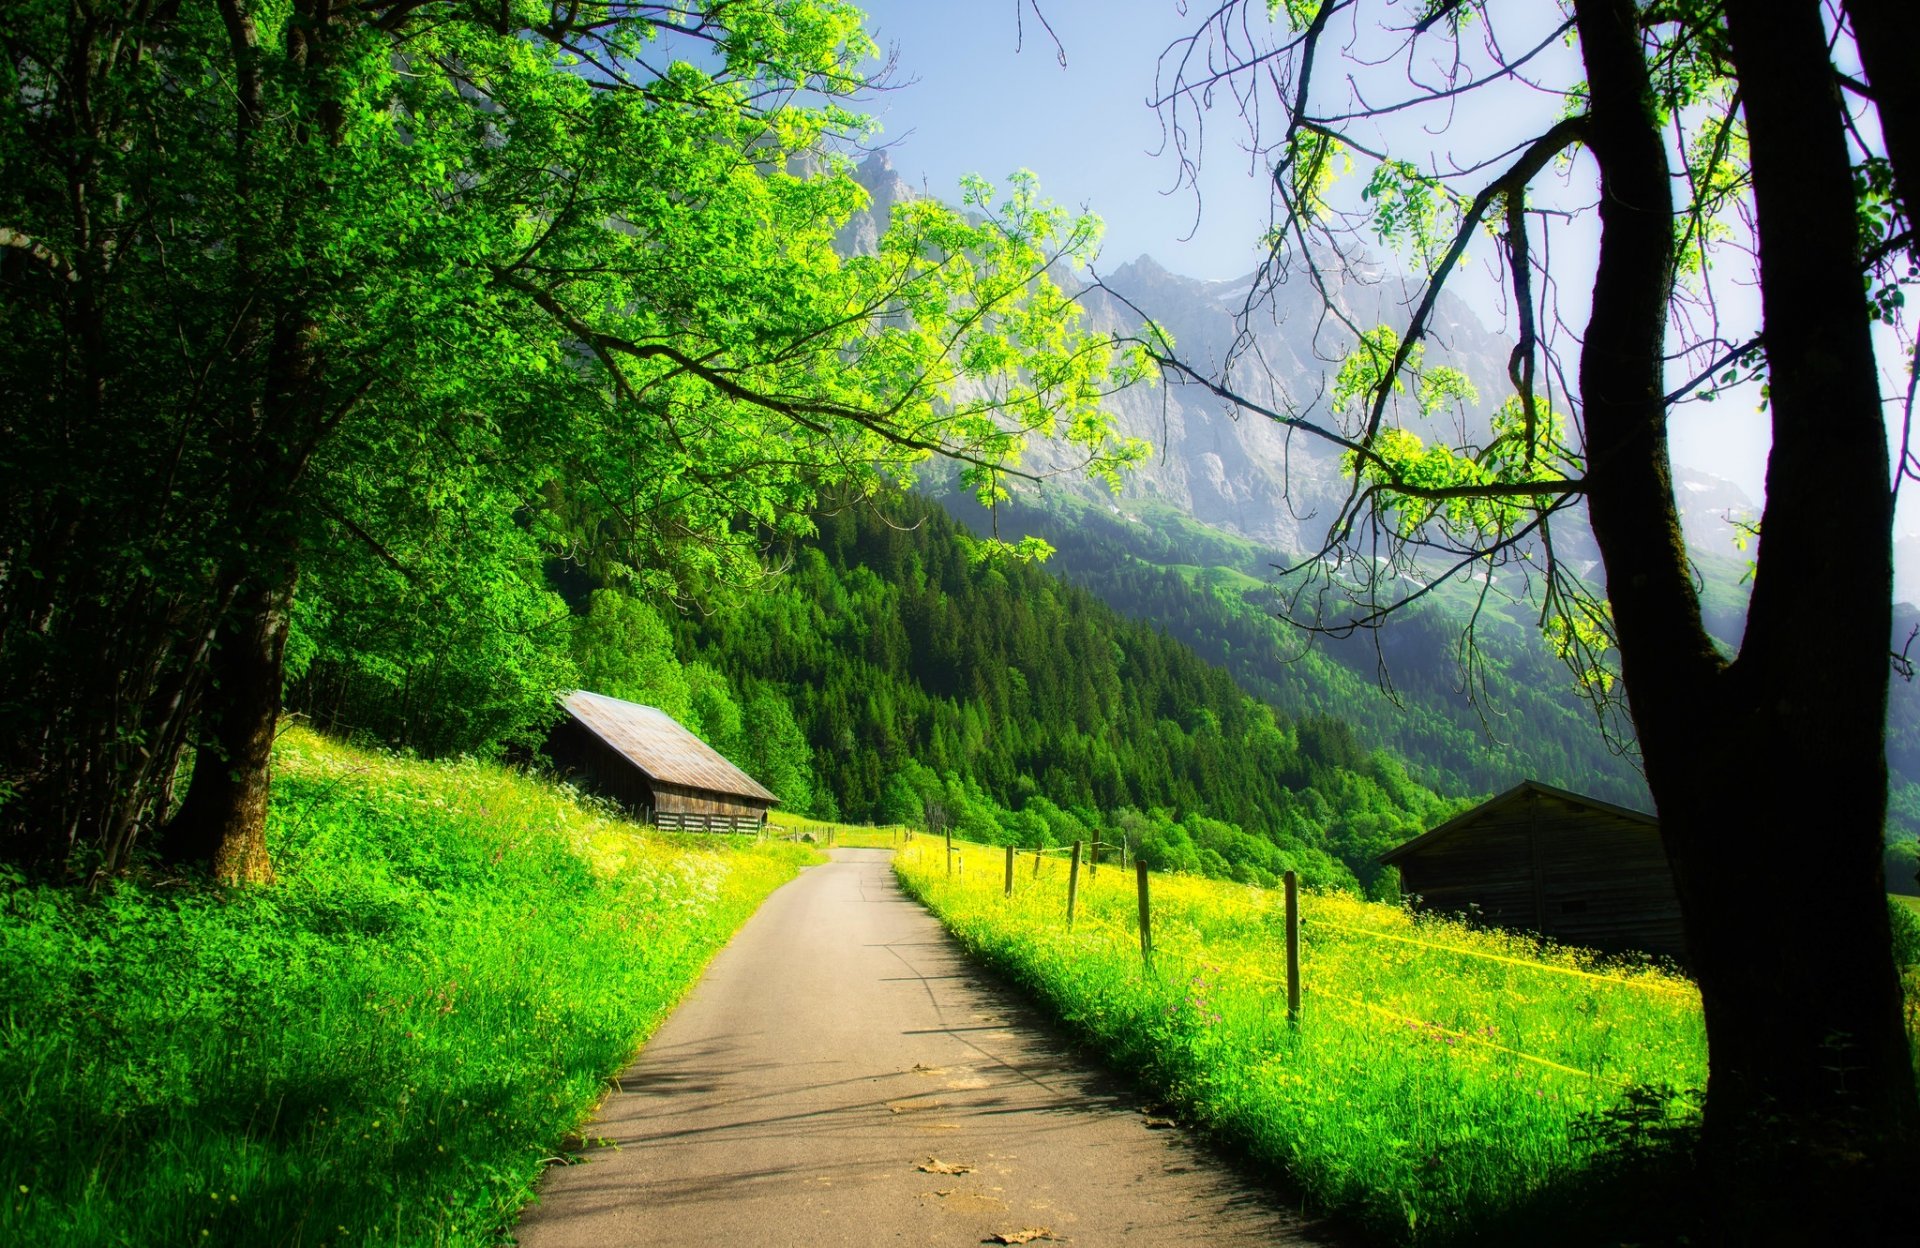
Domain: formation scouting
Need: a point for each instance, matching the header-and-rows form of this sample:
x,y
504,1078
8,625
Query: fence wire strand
x,y
1127,933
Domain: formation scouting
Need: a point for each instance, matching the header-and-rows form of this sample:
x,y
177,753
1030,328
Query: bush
x,y
1906,934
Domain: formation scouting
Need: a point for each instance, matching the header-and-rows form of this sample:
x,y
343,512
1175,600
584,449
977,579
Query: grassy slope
x,y
1400,1099
382,1047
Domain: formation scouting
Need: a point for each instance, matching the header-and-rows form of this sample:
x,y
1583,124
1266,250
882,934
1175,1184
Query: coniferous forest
x,y
923,675
894,674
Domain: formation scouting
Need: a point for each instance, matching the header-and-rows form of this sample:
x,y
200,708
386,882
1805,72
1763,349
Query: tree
x,y
1702,136
775,752
623,649
281,280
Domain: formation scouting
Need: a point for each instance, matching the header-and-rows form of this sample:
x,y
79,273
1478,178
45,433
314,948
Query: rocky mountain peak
x,y
860,236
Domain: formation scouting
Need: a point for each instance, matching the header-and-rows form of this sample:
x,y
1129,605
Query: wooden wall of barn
x,y
580,755
684,801
1580,875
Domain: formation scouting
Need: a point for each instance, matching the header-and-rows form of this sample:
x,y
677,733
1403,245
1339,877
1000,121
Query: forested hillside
x,y
1213,591
1023,709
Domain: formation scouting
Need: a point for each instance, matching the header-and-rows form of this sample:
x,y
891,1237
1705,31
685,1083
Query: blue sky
x,y
971,103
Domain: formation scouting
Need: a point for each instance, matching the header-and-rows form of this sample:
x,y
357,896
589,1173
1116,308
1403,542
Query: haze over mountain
x,y
1249,476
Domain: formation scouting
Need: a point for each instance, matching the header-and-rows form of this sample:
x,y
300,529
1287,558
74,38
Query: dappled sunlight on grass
x,y
382,1047
1439,1077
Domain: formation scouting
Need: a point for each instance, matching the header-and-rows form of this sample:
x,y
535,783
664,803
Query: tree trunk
x,y
1769,772
1886,32
1816,643
223,822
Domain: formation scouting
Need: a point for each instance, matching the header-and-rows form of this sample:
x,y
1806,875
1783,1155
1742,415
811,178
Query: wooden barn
x,y
1541,859
643,758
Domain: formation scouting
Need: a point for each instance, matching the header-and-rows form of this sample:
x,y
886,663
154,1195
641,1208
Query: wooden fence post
x,y
1093,863
1073,882
1293,947
1009,870
1036,864
949,853
1146,914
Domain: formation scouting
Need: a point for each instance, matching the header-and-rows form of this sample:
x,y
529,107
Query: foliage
x,y
1906,935
922,677
382,1047
771,747
372,305
464,664
624,649
1712,148
1508,717
1400,1098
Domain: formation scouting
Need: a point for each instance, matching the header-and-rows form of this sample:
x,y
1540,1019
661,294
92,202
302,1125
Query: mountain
x,y
1192,540
1211,590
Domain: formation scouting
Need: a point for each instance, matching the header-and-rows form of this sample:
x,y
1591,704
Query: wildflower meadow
x,y
1438,1079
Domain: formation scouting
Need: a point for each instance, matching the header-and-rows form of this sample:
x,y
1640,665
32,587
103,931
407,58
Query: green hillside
x,y
928,683
1526,720
388,1045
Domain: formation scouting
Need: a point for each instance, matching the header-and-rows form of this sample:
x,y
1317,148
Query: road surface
x,y
843,1075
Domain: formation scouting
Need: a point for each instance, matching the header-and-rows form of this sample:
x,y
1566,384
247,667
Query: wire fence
x,y
1101,911
841,835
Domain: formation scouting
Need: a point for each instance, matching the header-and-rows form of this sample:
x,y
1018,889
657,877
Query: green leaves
x,y
397,304
1412,211
1315,159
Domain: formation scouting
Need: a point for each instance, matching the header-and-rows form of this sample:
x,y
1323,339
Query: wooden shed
x,y
1541,859
643,758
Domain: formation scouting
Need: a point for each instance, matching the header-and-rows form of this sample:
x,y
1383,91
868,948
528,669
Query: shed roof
x,y
1468,817
659,746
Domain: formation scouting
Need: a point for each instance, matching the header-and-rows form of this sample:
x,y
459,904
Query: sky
x,y
982,88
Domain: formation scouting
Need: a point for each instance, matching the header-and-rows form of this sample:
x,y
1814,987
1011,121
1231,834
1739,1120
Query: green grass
x,y
380,1048
836,835
1400,1099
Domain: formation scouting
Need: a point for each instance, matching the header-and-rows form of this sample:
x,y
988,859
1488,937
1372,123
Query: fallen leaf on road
x,y
1019,1237
909,1107
933,1165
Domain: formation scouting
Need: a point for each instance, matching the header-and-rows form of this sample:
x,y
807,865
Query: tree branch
x,y
1511,183
810,414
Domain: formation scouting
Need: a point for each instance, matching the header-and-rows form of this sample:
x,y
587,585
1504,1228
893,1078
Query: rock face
x,y
1711,511
1239,470
860,236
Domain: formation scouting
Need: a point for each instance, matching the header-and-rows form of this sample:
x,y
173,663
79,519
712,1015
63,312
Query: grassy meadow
x,y
1441,1078
385,1046
789,827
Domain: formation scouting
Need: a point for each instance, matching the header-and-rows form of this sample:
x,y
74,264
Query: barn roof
x,y
659,746
1467,818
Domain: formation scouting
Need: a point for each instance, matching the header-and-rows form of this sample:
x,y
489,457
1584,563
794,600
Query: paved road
x,y
839,1043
